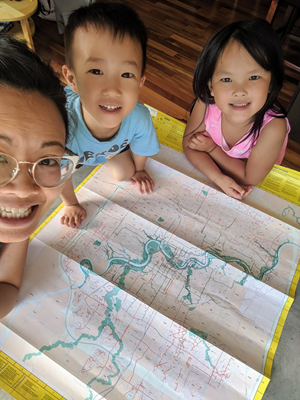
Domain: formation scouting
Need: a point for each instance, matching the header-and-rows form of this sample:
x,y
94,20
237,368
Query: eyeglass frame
x,y
30,171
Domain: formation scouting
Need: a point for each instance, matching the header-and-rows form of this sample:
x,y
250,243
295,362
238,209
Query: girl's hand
x,y
201,141
231,188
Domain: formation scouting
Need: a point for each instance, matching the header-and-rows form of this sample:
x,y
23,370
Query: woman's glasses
x,y
48,172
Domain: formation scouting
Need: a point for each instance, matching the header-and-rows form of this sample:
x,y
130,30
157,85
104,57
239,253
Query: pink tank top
x,y
242,148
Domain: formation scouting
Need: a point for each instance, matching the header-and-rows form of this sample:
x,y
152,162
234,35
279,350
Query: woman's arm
x,y
262,157
12,262
203,161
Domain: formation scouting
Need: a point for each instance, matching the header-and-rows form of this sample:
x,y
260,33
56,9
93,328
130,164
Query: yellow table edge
x,y
37,384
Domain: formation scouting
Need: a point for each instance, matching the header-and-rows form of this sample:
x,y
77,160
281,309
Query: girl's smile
x,y
240,107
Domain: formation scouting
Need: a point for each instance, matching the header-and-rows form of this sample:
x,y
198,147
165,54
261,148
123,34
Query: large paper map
x,y
174,295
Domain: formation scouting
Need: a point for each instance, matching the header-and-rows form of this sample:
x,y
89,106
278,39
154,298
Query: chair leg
x,y
272,11
287,23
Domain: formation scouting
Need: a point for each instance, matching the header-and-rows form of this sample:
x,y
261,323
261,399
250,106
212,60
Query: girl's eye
x,y
127,75
226,80
96,71
254,77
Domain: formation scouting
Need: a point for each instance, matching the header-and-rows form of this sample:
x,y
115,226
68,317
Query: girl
x,y
235,114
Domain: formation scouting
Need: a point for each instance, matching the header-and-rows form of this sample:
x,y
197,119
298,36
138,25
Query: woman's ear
x,y
70,78
210,88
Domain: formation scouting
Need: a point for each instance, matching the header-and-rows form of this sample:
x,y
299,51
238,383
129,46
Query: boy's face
x,y
107,75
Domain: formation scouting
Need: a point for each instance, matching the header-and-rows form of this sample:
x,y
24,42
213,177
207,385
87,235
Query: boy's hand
x,y
232,189
201,141
144,182
73,216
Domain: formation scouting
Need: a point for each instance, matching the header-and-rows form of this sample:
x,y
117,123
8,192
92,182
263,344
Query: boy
x,y
105,46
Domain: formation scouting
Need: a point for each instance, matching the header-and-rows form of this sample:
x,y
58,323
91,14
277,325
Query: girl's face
x,y
239,85
31,127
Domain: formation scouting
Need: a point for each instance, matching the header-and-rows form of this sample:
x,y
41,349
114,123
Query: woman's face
x,y
31,127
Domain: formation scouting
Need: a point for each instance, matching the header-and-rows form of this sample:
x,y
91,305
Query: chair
x,y
285,30
20,13
63,8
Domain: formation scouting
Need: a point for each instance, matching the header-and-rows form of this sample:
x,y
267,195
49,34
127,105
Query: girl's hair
x,y
260,40
22,69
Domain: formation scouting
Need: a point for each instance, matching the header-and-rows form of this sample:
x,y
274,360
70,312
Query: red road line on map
x,y
213,372
171,345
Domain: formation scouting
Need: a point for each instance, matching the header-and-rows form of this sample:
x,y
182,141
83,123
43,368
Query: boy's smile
x,y
107,76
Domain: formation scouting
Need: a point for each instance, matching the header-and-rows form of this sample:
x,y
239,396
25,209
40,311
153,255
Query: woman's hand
x,y
201,141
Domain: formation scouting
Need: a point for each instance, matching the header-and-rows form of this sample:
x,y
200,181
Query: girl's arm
x,y
12,262
203,161
262,157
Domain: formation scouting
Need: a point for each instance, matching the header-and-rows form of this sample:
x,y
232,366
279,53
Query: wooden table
x,y
19,11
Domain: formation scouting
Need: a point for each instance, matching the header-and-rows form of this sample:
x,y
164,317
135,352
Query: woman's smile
x,y
12,212
37,130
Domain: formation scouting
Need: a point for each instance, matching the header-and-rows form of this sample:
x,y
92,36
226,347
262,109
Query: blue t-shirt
x,y
136,130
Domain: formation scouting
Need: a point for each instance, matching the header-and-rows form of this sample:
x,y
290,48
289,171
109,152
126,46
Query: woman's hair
x,y
260,40
22,69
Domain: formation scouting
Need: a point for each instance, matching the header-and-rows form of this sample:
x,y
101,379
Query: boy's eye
x,y
96,71
127,75
226,80
254,77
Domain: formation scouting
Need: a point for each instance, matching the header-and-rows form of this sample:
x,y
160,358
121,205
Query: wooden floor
x,y
178,30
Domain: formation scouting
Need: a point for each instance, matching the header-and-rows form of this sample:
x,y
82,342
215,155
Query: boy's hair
x,y
22,69
260,40
118,17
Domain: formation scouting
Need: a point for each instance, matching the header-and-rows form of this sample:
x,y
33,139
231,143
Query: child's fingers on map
x,y
73,216
144,182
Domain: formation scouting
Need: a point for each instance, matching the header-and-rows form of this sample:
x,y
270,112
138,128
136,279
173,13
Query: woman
x,y
33,168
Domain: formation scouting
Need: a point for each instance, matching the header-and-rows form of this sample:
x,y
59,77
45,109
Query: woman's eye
x,y
2,159
49,162
127,75
226,80
96,71
254,77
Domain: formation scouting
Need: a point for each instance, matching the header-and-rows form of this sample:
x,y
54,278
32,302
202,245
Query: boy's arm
x,y
12,262
141,177
74,213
